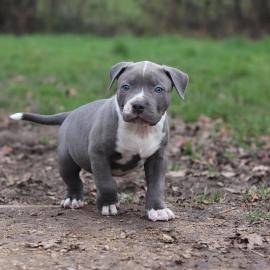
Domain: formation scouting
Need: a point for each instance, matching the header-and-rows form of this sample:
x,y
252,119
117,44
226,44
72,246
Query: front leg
x,y
105,184
155,167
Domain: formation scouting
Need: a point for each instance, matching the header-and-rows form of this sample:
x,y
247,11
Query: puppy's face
x,y
143,91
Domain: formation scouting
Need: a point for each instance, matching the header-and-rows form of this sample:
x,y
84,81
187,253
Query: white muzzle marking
x,y
128,106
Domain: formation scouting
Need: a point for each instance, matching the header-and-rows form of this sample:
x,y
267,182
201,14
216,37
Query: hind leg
x,y
70,171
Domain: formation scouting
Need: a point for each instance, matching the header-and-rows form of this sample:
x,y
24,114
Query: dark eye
x,y
125,87
158,89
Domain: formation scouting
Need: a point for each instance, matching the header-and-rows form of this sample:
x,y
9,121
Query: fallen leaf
x,y
74,246
252,193
44,244
266,140
237,190
71,92
178,261
225,132
200,245
175,189
205,120
228,174
247,241
32,245
179,143
165,238
50,243
5,150
254,240
175,174
261,168
24,179
187,253
123,235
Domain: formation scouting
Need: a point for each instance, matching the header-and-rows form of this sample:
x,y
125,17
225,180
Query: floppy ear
x,y
117,70
178,78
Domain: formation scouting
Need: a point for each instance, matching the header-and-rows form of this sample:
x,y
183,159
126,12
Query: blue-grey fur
x,y
88,135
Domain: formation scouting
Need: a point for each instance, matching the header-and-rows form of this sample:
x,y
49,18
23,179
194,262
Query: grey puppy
x,y
113,136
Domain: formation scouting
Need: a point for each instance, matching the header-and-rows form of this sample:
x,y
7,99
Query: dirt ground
x,y
218,190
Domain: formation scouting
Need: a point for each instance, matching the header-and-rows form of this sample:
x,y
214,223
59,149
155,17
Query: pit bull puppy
x,y
113,136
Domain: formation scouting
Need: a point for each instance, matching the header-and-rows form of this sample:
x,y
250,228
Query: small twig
x,y
224,221
254,251
258,253
227,210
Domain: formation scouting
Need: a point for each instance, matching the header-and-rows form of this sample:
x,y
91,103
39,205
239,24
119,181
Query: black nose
x,y
137,107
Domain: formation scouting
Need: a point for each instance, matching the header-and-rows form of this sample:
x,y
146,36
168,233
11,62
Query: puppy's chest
x,y
138,142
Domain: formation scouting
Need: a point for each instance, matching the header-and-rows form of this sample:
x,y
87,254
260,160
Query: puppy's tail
x,y
55,119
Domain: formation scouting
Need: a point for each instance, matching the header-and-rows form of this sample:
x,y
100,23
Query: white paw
x,y
109,210
160,214
73,204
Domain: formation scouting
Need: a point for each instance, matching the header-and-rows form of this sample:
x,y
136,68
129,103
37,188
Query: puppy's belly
x,y
119,172
120,164
125,164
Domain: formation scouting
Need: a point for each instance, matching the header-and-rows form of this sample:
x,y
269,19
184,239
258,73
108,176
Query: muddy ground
x,y
218,190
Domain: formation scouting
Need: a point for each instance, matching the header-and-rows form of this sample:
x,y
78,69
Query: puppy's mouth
x,y
140,119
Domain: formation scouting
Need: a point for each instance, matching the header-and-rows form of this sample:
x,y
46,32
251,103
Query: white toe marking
x,y
74,204
152,214
81,203
170,213
113,209
67,203
16,116
105,210
160,214
109,210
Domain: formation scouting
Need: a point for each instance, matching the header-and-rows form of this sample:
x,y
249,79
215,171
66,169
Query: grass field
x,y
229,79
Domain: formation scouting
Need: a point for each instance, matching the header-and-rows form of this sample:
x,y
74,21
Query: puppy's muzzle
x,y
138,108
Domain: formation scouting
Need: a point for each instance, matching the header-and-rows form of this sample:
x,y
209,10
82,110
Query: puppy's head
x,y
144,89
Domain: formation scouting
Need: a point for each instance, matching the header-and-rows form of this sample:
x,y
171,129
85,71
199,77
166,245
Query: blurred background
x,y
55,55
218,18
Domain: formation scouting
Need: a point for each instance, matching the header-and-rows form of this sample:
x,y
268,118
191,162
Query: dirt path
x,y
218,191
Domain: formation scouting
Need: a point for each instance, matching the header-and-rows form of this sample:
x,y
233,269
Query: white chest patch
x,y
133,139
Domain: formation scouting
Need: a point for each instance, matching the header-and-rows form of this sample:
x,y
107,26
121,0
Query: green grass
x,y
213,172
258,215
229,79
187,149
126,198
209,197
230,155
255,194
